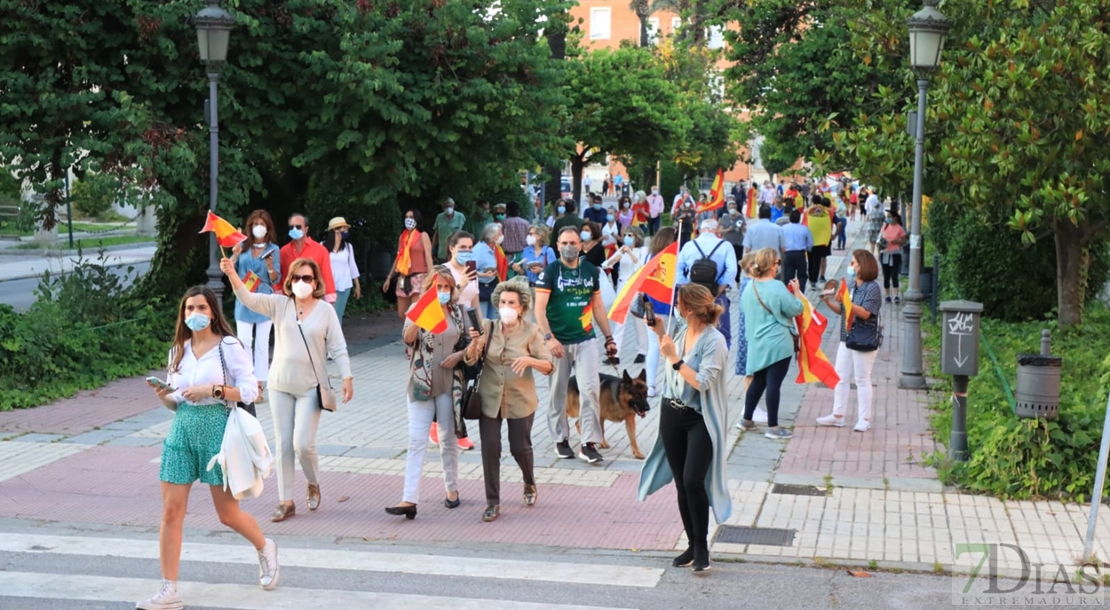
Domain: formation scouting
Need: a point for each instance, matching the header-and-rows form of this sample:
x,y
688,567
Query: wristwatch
x,y
678,365
218,392
547,337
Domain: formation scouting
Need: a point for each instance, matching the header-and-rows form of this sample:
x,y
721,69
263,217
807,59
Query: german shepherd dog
x,y
622,399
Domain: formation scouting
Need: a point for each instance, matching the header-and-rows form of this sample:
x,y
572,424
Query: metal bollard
x,y
959,354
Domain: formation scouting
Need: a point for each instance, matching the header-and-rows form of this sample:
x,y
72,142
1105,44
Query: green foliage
x,y
85,329
1023,459
93,195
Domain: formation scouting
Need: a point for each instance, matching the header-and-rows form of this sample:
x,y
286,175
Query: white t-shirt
x,y
209,370
343,268
873,205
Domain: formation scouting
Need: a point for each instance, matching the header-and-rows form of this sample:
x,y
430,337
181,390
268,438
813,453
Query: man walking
x,y
447,222
303,246
798,243
568,303
709,261
655,209
587,182
764,234
515,230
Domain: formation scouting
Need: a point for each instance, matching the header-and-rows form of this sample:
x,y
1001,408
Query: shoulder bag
x,y
471,400
793,331
249,408
326,397
865,338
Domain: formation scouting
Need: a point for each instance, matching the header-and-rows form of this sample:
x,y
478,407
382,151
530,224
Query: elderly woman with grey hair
x,y
508,389
485,256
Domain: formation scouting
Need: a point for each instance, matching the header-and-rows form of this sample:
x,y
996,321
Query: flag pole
x,y
674,287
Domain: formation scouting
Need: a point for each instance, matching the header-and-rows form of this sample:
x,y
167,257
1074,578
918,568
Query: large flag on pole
x,y
716,194
813,365
427,313
226,235
655,279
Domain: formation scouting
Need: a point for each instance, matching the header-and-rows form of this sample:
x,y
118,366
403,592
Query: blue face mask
x,y
562,209
888,220
851,273
296,234
597,206
610,218
629,240
344,234
444,298
197,321
464,257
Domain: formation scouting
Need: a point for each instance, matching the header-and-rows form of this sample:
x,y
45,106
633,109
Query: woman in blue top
x,y
662,239
485,257
692,423
260,256
537,256
769,309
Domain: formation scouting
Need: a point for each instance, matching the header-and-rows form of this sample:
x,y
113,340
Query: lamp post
x,y
213,26
927,29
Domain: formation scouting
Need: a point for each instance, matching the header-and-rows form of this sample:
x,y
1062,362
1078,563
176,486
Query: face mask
x,y
629,240
610,218
259,231
344,234
444,297
500,238
449,210
410,223
585,235
654,191
689,205
530,240
296,234
464,257
569,253
733,213
626,205
597,206
851,273
302,290
562,209
499,216
888,220
197,321
508,314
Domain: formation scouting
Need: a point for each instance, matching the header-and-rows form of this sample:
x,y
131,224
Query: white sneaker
x,y
268,568
760,415
862,426
166,599
831,420
652,393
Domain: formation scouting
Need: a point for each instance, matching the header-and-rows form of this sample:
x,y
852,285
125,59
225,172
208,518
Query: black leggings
x,y
891,271
689,452
769,379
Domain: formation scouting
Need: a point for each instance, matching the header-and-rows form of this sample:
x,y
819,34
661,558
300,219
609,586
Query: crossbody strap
x,y
755,288
309,350
485,351
223,365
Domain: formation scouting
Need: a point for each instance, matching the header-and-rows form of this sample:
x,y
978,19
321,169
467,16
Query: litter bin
x,y
1038,386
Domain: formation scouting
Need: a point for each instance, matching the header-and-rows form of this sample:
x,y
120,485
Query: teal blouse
x,y
768,332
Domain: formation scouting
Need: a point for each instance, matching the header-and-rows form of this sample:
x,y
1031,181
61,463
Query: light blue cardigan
x,y
656,472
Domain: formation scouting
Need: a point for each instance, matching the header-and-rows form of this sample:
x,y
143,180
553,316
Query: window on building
x,y
715,35
600,20
653,30
676,24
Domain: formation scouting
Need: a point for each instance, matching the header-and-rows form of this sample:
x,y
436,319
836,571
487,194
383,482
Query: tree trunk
x,y
577,164
1069,272
643,32
553,188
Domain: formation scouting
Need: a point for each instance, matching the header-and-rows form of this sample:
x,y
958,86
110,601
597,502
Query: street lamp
x,y
214,26
927,29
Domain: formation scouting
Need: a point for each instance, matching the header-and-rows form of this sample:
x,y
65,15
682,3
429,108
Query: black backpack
x,y
704,271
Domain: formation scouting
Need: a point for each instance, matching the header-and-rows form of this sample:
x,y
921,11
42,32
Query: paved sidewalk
x,y
32,265
842,495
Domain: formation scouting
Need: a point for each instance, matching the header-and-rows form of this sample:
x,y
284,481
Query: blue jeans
x,y
653,224
841,237
341,303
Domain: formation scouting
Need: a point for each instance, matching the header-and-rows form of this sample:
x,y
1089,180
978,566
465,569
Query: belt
x,y
675,403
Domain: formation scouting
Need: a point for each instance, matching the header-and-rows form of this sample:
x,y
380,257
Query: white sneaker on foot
x,y
831,420
862,426
652,393
166,599
760,415
268,568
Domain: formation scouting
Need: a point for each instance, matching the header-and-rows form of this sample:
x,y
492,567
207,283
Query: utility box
x,y
959,346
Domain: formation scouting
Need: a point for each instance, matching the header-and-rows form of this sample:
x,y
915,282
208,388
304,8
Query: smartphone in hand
x,y
471,267
161,385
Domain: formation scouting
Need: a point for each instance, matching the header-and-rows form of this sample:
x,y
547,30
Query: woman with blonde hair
x,y
508,389
306,333
691,447
434,383
769,309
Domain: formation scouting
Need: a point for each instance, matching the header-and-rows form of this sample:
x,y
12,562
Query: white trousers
x,y
850,363
584,359
256,338
420,423
638,327
295,421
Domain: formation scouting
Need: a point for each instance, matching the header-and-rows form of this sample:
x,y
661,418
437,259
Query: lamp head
x,y
927,30
213,26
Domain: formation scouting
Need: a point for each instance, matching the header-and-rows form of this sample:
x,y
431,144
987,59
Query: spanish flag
x,y
716,193
502,264
813,365
252,281
845,298
587,317
752,210
226,235
655,279
427,313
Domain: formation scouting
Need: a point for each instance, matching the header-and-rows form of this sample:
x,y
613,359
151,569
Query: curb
x,y
47,254
59,252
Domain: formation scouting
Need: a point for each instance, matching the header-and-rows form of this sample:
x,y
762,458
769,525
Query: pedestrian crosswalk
x,y
248,596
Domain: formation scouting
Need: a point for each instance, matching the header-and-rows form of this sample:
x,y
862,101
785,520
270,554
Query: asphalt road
x,y
20,294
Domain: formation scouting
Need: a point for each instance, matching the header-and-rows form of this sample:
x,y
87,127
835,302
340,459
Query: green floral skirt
x,y
195,438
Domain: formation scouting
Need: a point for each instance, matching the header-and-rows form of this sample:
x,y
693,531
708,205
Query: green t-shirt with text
x,y
569,311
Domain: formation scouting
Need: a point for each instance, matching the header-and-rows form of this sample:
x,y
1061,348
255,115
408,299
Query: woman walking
x,y
487,262
592,249
629,258
414,258
858,346
433,385
663,238
691,446
460,246
262,258
891,257
625,216
508,389
208,371
537,256
610,232
306,333
344,270
769,310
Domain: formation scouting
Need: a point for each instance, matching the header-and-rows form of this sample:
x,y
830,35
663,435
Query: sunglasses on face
x,y
300,227
302,278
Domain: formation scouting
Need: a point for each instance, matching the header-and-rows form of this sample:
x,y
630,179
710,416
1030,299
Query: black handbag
x,y
865,337
471,401
248,407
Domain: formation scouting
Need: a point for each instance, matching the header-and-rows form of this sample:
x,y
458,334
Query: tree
x,y
642,8
1016,122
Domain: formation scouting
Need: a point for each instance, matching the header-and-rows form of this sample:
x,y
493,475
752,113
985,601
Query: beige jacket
x,y
503,391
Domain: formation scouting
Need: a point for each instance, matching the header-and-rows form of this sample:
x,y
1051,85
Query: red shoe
x,y
466,444
433,434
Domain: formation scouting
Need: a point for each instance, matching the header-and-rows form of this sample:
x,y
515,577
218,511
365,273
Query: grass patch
x,y
89,243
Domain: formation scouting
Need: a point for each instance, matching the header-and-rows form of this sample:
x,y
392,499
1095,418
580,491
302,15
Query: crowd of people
x,y
521,299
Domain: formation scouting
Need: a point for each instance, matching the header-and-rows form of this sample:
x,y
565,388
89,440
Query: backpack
x,y
704,270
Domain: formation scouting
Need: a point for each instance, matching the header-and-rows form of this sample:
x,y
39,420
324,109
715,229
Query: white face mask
x,y
530,240
500,238
508,314
302,290
259,231
410,223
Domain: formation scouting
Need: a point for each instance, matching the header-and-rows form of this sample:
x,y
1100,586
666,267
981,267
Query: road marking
x,y
242,597
368,561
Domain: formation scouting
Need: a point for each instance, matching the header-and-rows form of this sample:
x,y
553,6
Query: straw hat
x,y
337,222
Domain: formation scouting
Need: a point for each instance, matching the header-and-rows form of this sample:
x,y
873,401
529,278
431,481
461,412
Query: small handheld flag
x,y
845,299
428,314
716,194
226,235
252,281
